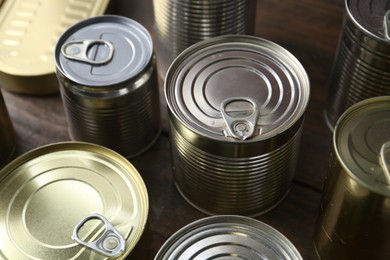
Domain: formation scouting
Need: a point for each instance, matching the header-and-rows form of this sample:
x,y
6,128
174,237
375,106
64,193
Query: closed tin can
x,y
355,209
7,134
108,82
28,33
71,200
236,108
361,68
179,24
228,236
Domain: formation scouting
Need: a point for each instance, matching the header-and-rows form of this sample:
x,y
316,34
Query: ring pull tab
x,y
111,243
386,23
240,116
384,160
78,50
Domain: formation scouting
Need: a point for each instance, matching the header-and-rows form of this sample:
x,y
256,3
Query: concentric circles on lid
x,y
227,236
104,50
47,195
237,88
362,143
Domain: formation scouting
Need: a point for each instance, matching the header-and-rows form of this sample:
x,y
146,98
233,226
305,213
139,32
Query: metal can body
x,y
361,68
114,103
235,114
7,134
179,24
228,236
355,206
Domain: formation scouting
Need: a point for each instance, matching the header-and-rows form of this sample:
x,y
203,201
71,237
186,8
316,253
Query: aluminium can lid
x,y
57,200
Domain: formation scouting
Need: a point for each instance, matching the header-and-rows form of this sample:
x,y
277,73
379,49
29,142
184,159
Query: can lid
x,y
372,16
55,196
103,50
362,141
226,236
236,88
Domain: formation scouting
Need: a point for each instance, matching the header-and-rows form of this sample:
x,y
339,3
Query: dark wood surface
x,y
309,29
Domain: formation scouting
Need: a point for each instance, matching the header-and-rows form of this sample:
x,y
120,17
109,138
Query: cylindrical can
x,y
361,68
108,82
71,200
7,134
227,236
353,222
179,24
236,108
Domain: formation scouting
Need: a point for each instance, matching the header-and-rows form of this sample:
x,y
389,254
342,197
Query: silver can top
x,y
236,88
227,236
103,50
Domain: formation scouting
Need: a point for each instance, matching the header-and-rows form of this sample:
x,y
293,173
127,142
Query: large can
x,y
7,134
228,236
236,108
355,209
71,200
108,82
361,68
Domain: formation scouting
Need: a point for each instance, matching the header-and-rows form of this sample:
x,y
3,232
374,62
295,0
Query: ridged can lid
x,y
362,143
71,200
237,88
227,236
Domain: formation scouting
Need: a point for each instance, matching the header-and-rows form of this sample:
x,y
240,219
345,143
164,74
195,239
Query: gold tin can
x,y
28,33
355,209
228,237
108,81
71,200
7,134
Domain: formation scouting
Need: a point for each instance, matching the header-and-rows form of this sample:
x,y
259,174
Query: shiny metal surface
x,y
7,134
28,33
355,207
228,237
361,67
236,107
111,95
46,192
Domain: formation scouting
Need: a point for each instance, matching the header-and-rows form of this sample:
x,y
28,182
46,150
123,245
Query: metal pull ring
x,y
111,243
241,122
384,156
386,23
78,50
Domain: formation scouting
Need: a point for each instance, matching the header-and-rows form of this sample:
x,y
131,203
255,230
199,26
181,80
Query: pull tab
x,y
110,243
386,23
240,121
78,50
384,156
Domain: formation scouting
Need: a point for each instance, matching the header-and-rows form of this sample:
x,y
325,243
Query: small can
x,y
71,200
236,108
108,81
227,236
353,221
7,134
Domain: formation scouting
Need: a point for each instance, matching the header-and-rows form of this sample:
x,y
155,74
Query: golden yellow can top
x,y
67,200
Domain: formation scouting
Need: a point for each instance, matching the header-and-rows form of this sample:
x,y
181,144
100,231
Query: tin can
x,y
108,82
361,68
71,200
179,24
227,236
355,209
26,49
7,134
236,108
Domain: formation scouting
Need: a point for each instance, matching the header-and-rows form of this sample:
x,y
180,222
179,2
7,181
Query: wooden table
x,y
307,28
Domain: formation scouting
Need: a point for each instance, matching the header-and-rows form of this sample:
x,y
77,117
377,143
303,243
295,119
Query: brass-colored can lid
x,y
362,143
71,200
28,33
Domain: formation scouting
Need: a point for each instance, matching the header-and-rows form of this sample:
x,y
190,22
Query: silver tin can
x,y
108,83
354,215
361,68
7,134
228,236
179,24
236,108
